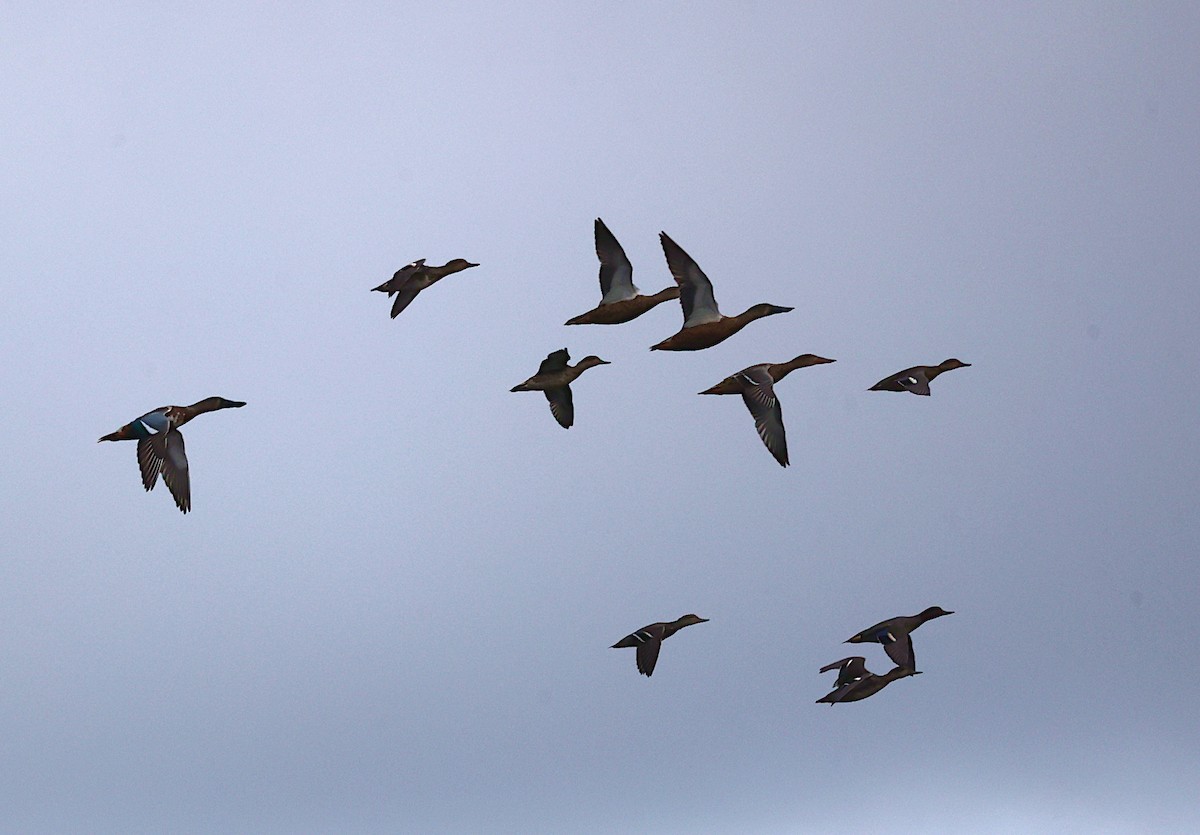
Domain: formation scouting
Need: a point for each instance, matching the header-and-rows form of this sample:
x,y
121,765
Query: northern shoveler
x,y
160,448
703,324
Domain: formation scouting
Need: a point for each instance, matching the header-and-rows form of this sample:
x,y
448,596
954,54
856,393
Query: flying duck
x,y
894,634
703,324
620,301
917,379
648,639
756,385
856,682
415,277
160,447
554,378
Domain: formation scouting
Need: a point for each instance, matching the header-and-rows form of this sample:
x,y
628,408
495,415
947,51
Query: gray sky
x,y
392,605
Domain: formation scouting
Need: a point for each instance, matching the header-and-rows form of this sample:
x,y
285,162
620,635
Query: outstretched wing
x,y
555,361
150,454
562,405
404,297
175,470
647,656
695,290
759,397
900,650
616,273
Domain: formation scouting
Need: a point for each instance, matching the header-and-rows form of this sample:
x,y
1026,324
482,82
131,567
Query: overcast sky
x,y
392,605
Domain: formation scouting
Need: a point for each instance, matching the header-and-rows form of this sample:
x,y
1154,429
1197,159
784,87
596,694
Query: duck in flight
x,y
916,380
160,449
648,640
756,385
620,300
896,635
703,324
554,378
855,682
415,277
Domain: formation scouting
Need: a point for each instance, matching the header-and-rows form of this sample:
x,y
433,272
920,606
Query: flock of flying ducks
x,y
160,447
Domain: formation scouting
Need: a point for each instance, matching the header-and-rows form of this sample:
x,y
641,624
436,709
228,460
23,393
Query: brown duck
x,y
160,447
554,378
415,277
756,385
703,324
916,380
649,639
620,301
856,682
895,634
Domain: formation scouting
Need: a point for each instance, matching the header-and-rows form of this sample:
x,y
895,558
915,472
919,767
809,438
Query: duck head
x,y
761,310
590,360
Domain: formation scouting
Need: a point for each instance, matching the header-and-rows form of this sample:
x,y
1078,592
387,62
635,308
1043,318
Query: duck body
x,y
554,378
703,323
861,683
411,279
916,380
895,634
620,300
160,449
648,640
756,385
626,310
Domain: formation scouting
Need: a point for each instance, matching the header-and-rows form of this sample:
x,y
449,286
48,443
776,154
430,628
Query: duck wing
x,y
695,290
562,405
404,297
150,454
916,382
647,656
175,470
900,650
758,393
616,273
554,361
910,379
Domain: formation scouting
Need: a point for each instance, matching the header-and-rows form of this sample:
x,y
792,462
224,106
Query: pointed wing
x,y
562,406
555,361
647,656
404,297
616,273
759,397
150,454
175,470
695,290
900,650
